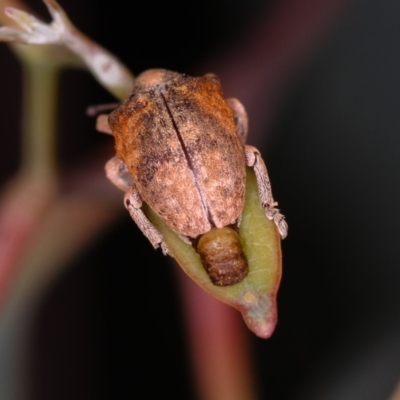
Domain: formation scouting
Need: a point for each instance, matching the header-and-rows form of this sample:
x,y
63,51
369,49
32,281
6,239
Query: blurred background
x,y
321,83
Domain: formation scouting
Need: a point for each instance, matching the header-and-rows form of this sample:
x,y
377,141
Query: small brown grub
x,y
222,256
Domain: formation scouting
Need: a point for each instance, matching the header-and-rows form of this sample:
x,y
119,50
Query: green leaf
x,y
255,295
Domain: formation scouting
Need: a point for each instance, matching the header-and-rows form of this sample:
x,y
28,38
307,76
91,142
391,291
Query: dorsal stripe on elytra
x,y
190,164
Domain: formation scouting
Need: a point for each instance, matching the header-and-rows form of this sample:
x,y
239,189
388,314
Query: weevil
x,y
180,147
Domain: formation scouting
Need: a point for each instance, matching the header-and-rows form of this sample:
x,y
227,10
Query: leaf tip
x,y
259,313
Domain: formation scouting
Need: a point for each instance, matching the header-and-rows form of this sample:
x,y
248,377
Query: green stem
x,y
39,120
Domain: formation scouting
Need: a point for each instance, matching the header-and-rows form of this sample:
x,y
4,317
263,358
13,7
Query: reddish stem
x,y
218,345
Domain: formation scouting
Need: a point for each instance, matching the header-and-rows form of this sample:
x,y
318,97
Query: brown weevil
x,y
180,147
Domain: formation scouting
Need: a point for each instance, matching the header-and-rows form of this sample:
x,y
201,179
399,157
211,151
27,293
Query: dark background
x,y
333,154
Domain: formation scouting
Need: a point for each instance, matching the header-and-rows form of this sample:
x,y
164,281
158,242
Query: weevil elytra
x,y
180,147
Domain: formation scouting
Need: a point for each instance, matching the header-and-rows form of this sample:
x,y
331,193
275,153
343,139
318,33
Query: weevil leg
x,y
241,119
254,160
118,174
99,108
133,204
102,124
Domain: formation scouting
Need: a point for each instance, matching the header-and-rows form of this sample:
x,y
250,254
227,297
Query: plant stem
x,y
39,121
218,341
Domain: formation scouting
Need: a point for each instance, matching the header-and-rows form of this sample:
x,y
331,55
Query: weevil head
x,y
222,256
153,78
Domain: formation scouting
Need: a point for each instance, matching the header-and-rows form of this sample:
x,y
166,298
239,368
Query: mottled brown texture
x,y
207,128
222,256
177,136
